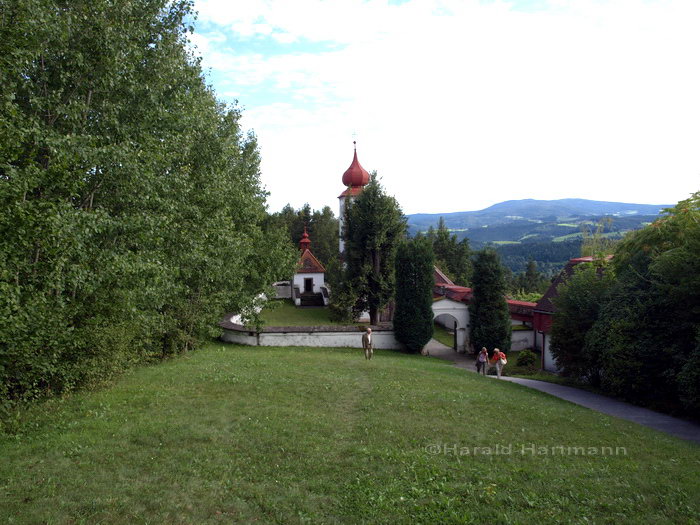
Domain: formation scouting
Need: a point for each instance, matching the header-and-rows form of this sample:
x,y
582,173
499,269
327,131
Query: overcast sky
x,y
460,104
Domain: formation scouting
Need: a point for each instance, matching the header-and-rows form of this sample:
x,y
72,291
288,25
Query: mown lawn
x,y
284,313
280,435
441,334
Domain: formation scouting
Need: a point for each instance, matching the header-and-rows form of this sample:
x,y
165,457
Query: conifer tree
x,y
451,256
374,225
413,318
489,315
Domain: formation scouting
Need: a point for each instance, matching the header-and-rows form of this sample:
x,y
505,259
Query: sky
x,y
461,104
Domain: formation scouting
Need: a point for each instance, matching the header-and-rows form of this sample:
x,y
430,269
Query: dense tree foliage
x,y
645,337
489,315
374,226
452,257
322,227
597,241
549,256
413,318
132,207
529,285
578,305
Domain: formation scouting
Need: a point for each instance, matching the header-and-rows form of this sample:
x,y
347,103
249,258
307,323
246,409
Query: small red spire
x,y
355,175
305,242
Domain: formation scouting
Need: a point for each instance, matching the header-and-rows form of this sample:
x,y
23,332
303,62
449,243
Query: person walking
x,y
482,361
499,359
367,344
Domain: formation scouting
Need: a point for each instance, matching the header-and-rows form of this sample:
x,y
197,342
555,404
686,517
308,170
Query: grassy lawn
x,y
284,313
441,334
281,435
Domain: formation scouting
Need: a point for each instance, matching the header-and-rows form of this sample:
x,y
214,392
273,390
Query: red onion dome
x,y
355,175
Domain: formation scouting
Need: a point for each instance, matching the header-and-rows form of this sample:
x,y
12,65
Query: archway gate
x,y
455,316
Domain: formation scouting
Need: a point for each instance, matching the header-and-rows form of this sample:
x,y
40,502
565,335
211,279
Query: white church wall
x,y
319,281
457,310
283,290
341,220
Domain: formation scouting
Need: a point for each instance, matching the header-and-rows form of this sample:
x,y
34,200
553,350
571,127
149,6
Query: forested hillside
x,y
549,256
132,211
548,232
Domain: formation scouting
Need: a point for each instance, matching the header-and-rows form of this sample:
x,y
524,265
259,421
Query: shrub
x,y
526,358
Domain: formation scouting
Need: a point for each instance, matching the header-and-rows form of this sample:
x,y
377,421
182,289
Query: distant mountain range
x,y
538,211
550,232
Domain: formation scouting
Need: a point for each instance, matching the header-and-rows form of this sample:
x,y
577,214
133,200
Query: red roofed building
x,y
309,283
451,309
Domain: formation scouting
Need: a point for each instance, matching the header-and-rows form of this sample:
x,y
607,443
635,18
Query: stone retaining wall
x,y
312,336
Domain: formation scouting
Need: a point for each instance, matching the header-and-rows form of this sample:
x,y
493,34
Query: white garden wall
x,y
522,339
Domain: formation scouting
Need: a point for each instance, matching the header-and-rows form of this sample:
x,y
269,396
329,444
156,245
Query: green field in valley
x,y
292,435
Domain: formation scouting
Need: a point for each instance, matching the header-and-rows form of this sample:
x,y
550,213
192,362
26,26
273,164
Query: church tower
x,y
355,179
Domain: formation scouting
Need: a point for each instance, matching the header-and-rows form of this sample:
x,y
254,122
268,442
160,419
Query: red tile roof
x,y
441,278
524,304
519,310
308,263
460,294
352,191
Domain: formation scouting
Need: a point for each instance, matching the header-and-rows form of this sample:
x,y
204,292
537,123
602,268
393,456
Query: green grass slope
x,y
276,435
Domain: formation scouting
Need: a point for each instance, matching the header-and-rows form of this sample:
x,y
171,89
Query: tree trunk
x,y
373,314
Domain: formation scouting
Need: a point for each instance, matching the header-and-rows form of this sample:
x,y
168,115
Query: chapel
x,y
309,283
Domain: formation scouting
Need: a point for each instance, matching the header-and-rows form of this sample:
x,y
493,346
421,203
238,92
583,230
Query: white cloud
x,y
460,103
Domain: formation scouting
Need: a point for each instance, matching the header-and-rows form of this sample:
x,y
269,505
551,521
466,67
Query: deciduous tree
x,y
578,305
132,206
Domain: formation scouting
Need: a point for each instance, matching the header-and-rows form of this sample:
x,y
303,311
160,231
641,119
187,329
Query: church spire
x,y
305,242
355,176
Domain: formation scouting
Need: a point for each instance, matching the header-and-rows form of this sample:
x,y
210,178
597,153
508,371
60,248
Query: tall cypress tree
x,y
374,225
413,320
490,319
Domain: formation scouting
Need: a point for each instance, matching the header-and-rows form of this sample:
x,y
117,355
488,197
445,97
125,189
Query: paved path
x,y
441,351
643,416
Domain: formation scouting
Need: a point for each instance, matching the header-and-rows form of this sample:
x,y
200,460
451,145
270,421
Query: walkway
x,y
642,416
441,351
